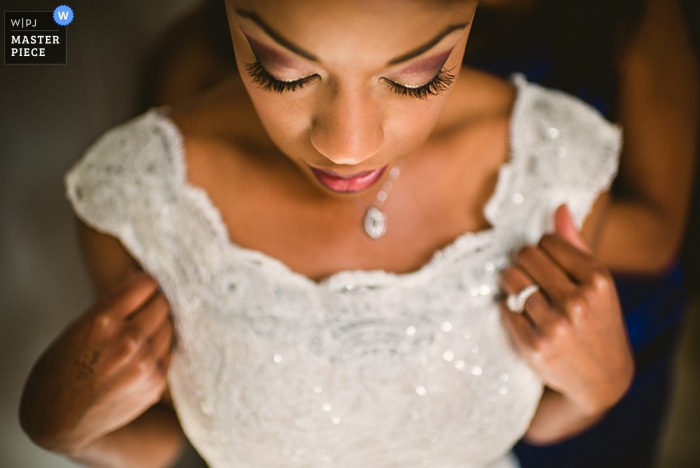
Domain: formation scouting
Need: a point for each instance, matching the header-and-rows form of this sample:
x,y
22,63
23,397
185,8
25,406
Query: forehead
x,y
328,26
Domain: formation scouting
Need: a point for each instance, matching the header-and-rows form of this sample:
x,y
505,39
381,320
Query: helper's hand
x,y
104,370
572,331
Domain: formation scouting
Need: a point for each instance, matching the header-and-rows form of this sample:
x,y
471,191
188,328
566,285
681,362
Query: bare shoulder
x,y
222,136
479,97
490,91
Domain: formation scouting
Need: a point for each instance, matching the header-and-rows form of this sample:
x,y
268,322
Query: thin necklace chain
x,y
375,220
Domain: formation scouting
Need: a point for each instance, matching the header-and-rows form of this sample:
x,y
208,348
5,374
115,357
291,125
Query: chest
x,y
439,195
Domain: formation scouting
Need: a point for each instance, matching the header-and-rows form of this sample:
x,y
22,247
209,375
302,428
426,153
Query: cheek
x,y
408,128
286,121
406,122
282,119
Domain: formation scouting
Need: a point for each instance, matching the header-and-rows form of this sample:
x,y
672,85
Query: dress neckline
x,y
346,280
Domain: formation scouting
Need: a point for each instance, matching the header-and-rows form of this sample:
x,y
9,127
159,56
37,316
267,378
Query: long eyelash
x,y
269,83
440,83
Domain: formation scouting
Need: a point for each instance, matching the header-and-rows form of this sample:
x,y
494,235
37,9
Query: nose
x,y
347,130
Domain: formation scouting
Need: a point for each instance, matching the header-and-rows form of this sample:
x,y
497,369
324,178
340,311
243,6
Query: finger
x,y
161,340
537,305
519,329
129,296
578,264
152,315
545,272
564,226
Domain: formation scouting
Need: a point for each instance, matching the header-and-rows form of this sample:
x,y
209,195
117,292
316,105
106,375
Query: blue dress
x,y
653,308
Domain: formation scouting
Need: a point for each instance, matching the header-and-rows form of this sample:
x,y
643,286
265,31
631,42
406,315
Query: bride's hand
x,y
571,332
105,369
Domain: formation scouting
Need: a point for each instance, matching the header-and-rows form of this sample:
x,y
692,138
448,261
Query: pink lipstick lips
x,y
347,183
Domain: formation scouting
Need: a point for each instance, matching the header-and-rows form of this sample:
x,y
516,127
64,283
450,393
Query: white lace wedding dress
x,y
367,369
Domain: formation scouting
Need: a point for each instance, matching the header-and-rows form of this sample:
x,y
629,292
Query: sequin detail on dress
x,y
367,368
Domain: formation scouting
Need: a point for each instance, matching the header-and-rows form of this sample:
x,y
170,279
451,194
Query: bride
x,y
355,253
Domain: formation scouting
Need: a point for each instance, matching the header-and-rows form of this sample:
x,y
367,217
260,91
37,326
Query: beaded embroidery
x,y
367,368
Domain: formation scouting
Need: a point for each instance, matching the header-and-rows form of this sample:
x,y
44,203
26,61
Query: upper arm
x,y
106,260
593,225
658,105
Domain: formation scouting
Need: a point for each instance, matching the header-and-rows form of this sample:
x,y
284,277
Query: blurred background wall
x,y
48,117
49,114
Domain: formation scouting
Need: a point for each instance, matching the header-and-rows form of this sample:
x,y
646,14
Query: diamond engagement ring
x,y
516,302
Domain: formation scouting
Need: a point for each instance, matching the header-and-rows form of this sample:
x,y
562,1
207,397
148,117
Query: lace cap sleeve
x,y
121,183
563,152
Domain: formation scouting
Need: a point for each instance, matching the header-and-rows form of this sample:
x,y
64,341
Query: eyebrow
x,y
428,45
251,15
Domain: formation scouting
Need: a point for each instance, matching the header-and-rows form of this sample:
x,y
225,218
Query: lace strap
x,y
122,186
563,151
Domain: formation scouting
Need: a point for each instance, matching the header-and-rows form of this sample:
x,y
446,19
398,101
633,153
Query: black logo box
x,y
29,34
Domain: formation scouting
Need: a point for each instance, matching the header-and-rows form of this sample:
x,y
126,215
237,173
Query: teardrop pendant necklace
x,y
375,220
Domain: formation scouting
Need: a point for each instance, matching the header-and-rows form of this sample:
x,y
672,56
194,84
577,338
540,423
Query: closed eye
x,y
441,82
268,82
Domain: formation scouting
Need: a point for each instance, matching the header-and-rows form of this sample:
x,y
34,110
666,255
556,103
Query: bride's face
x,y
346,88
